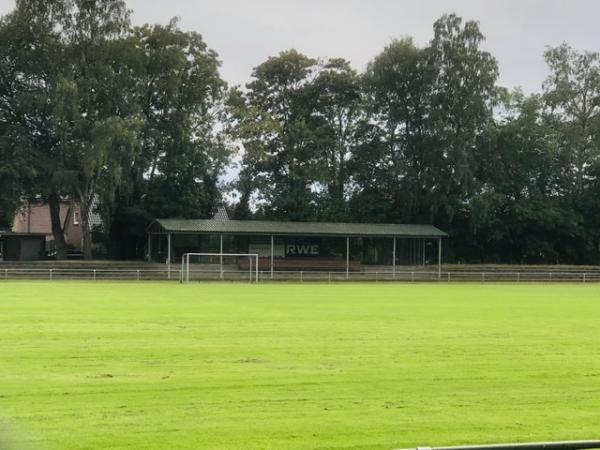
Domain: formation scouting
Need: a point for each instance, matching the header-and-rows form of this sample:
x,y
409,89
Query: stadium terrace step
x,y
80,264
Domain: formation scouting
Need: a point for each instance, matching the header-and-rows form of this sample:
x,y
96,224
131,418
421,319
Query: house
x,y
34,217
221,213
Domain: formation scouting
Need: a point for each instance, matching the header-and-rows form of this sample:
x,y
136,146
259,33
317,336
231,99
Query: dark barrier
x,y
561,445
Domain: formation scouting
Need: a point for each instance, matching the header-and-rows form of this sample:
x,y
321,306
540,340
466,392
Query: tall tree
x,y
429,107
521,197
394,161
279,142
183,151
572,99
336,111
14,142
96,129
109,115
182,96
464,94
572,95
31,50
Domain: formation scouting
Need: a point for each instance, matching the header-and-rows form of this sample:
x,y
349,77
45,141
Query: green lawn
x,y
290,366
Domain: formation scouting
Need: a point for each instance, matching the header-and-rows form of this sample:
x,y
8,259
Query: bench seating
x,y
321,264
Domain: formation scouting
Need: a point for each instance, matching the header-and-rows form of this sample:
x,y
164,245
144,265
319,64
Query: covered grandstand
x,y
282,246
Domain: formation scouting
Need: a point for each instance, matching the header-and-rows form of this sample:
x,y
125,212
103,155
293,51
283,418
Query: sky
x,y
246,32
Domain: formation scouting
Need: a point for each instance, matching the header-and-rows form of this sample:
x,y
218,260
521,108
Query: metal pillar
x,y
394,259
423,252
221,256
169,256
347,257
415,261
272,245
149,247
439,258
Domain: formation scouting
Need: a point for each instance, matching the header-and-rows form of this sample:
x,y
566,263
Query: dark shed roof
x,y
262,227
19,234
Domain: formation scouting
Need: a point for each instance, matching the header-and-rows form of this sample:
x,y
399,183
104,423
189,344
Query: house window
x,y
75,217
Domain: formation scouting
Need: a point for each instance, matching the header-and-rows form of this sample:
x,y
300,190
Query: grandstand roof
x,y
262,227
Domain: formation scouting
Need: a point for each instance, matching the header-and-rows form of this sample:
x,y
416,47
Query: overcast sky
x,y
245,32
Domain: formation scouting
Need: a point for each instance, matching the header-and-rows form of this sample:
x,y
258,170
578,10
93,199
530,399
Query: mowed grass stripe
x,y
296,366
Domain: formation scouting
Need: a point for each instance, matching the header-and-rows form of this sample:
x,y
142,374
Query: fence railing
x,y
303,275
559,445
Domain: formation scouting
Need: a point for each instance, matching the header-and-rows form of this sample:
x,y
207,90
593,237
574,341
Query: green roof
x,y
262,227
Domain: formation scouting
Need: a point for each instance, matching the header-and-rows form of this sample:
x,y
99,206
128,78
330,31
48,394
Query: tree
x,y
182,150
336,111
393,158
280,150
572,100
182,97
521,197
14,142
30,49
65,61
464,93
109,115
297,123
428,107
95,129
572,95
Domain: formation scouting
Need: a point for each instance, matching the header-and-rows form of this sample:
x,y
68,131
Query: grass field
x,y
287,366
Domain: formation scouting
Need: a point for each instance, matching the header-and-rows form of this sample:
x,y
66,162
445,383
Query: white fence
x,y
301,276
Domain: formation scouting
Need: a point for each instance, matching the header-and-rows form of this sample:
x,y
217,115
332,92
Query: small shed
x,y
22,246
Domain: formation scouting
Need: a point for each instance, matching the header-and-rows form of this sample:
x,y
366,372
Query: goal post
x,y
252,259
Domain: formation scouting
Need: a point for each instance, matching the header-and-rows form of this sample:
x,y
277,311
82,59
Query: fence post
x,y
6,274
584,277
412,276
448,276
51,274
94,274
518,277
138,274
329,277
483,277
301,276
550,274
376,276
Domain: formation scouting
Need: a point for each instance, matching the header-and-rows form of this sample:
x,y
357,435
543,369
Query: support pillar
x,y
149,247
169,256
439,258
272,250
424,260
394,259
221,256
347,258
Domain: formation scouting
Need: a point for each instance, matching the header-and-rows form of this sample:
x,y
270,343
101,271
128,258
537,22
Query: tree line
x,y
140,120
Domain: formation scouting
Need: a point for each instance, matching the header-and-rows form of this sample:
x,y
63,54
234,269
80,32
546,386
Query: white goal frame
x,y
185,264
